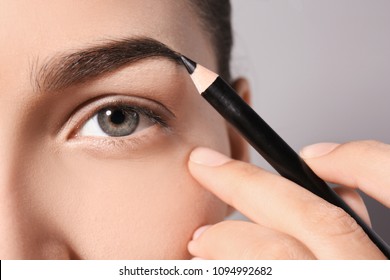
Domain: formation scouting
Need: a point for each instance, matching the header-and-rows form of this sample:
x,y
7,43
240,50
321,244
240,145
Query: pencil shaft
x,y
276,151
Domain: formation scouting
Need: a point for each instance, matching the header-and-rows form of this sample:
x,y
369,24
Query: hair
x,y
216,20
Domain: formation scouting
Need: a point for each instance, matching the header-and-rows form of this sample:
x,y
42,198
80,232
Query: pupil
x,y
117,117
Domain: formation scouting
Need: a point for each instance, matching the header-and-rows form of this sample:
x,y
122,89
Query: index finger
x,y
275,202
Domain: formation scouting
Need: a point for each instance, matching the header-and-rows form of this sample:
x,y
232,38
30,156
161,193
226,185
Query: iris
x,y
118,121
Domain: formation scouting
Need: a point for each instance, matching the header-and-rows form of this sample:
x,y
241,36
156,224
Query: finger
x,y
246,241
364,165
355,201
277,203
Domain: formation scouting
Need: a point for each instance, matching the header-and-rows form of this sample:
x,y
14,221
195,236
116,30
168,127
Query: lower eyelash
x,y
97,145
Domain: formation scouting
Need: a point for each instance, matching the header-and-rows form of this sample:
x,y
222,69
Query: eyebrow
x,y
63,71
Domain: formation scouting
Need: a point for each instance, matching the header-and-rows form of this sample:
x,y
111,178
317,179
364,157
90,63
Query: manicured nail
x,y
318,150
199,232
208,157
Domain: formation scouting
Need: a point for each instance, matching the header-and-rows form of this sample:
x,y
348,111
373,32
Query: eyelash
x,y
153,117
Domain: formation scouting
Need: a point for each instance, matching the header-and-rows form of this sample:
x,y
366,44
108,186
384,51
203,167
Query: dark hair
x,y
216,19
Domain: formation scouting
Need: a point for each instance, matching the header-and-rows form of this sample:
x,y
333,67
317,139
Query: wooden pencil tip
x,y
189,64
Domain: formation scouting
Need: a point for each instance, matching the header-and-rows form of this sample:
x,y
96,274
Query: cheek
x,y
118,209
141,205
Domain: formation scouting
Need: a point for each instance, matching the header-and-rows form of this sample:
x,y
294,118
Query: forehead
x,y
32,31
61,22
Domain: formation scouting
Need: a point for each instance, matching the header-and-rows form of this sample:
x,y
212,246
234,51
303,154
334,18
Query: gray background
x,y
319,72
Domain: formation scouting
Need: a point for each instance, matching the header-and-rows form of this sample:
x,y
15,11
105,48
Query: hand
x,y
289,222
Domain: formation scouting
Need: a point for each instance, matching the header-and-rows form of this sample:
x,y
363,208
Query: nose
x,y
25,231
23,235
16,240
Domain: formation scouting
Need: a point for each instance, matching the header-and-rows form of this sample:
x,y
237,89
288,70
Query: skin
x,y
68,195
65,194
314,228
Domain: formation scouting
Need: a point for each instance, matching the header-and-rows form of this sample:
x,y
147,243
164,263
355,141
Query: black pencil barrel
x,y
276,151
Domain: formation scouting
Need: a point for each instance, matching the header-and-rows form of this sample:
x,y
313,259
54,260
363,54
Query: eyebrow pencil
x,y
267,142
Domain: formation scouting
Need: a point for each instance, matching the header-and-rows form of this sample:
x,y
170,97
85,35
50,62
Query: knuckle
x,y
371,143
224,228
363,146
224,225
248,171
332,221
369,160
245,175
282,249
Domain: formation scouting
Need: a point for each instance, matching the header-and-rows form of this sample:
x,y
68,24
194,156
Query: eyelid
x,y
85,111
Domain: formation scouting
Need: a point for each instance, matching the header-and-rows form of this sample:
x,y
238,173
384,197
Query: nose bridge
x,y
24,229
13,216
10,140
16,105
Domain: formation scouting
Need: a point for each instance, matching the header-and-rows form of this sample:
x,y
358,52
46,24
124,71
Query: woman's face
x,y
68,187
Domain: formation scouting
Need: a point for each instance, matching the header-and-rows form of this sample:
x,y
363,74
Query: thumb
x,y
364,165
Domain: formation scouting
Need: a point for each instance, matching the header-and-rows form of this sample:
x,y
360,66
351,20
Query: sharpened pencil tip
x,y
189,64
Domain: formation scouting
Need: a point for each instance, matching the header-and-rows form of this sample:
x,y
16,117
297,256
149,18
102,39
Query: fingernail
x,y
208,157
318,150
197,259
199,232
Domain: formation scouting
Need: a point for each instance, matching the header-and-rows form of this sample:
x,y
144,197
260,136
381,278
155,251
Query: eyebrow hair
x,y
63,71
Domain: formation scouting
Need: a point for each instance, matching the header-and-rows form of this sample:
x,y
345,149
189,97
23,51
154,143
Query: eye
x,y
118,121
